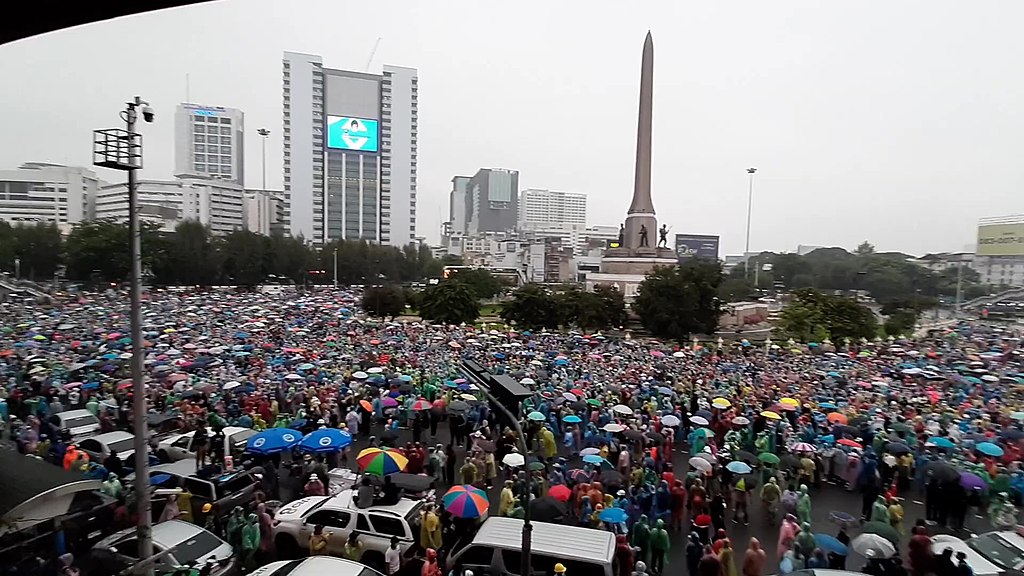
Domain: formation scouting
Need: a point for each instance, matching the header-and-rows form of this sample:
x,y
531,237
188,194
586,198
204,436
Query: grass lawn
x,y
489,310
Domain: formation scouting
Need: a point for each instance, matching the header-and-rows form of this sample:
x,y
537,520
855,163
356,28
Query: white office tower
x,y
42,192
551,209
209,141
350,152
166,203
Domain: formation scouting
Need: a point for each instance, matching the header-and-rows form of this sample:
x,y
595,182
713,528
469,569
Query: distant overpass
x,y
993,298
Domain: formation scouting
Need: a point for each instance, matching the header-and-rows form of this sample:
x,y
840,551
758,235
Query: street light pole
x,y
264,133
122,150
750,205
335,268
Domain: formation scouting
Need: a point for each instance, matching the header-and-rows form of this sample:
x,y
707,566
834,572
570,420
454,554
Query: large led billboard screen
x,y
696,246
345,133
1001,239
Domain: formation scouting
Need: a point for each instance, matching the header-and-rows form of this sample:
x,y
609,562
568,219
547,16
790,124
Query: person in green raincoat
x,y
641,538
659,547
761,443
879,511
805,540
112,486
234,530
803,504
250,541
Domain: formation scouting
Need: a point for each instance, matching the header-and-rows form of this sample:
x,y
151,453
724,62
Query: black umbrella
x,y
458,406
547,509
578,405
942,471
633,434
897,448
655,437
841,430
611,478
744,456
789,461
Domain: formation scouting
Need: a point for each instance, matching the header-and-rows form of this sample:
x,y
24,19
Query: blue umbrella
x,y
612,515
738,467
593,459
536,416
831,544
405,378
572,419
827,405
989,449
325,440
273,440
941,442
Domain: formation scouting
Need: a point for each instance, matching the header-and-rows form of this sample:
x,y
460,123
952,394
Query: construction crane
x,y
372,53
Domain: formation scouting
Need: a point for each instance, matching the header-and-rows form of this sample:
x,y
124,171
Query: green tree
x,y
290,257
813,316
385,301
532,307
483,284
735,290
100,250
449,302
865,247
7,243
246,257
188,256
39,246
613,306
676,302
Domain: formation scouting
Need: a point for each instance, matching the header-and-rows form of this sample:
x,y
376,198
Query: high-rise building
x,y
457,203
210,201
263,211
548,208
492,199
350,152
42,192
209,141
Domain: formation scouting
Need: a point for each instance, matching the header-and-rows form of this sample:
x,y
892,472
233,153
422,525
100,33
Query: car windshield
x,y
122,446
80,421
197,548
998,551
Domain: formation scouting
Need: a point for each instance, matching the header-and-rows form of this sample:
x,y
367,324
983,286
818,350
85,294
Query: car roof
x,y
569,542
74,414
171,532
315,566
111,437
344,501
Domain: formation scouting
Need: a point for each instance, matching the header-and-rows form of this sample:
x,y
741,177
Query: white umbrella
x,y
990,378
670,420
293,377
701,464
513,459
622,409
376,370
872,546
527,381
232,385
699,420
741,421
613,427
678,354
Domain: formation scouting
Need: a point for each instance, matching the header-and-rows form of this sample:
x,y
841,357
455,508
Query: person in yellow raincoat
x,y
507,499
896,515
430,528
547,439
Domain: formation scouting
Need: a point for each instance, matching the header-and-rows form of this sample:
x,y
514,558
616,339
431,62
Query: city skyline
x,y
853,140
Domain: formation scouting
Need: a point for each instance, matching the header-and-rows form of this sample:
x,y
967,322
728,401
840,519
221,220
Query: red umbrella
x,y
850,443
560,492
366,405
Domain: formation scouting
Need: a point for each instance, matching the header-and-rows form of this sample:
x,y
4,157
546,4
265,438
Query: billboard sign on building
x,y
1001,239
345,133
696,246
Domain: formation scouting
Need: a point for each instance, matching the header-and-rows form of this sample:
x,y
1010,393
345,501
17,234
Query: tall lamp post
x,y
264,133
335,267
121,149
750,205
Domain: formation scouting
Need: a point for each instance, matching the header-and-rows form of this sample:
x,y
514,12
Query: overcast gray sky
x,y
899,122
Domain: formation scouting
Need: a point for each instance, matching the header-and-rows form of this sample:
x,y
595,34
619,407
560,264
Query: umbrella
x,y
571,419
790,461
622,409
593,459
422,404
841,518
701,464
881,529
670,420
458,406
830,543
942,471
536,416
850,443
971,481
872,546
738,467
612,515
897,448
744,456
771,415
840,418
768,458
655,437
560,492
325,440
940,442
590,451
741,421
989,449
547,509
513,459
273,440
699,420
579,475
381,462
611,478
465,502
721,403
803,447
613,427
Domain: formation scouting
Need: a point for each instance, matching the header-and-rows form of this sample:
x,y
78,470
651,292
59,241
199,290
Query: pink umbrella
x,y
389,402
71,385
657,353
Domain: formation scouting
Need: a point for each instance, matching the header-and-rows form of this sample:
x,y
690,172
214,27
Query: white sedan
x,y
987,554
179,446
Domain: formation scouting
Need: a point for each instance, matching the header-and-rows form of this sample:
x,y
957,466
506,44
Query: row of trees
x,y
191,255
886,276
536,307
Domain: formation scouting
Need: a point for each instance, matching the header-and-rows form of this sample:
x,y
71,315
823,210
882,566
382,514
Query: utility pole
x,y
264,133
750,205
122,150
335,267
959,284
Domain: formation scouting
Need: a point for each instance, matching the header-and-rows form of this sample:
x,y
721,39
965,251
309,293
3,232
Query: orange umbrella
x,y
837,417
366,405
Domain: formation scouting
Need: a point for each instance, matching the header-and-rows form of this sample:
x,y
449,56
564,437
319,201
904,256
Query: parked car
x,y
177,447
225,491
80,423
189,544
315,566
987,554
375,524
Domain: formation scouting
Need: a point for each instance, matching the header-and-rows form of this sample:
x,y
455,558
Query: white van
x,y
498,544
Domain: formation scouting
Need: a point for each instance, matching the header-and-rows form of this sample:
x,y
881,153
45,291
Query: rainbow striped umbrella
x,y
466,502
381,462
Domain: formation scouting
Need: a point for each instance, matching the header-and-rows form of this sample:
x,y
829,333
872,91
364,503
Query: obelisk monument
x,y
641,216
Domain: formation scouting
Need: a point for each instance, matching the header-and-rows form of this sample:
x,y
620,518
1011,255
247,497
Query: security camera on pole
x,y
121,149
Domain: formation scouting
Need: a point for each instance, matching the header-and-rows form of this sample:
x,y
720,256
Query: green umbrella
x,y
593,402
768,458
536,465
884,530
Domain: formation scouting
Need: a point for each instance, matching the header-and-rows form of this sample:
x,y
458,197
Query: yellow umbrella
x,y
721,403
791,401
771,415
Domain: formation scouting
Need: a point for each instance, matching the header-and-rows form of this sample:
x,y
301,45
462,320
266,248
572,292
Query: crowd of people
x,y
669,447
